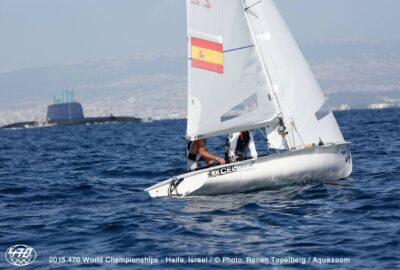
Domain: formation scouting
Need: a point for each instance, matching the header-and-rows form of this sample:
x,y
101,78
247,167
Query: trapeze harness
x,y
192,159
242,142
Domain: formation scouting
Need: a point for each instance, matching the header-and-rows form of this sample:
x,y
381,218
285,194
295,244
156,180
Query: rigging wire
x,y
293,125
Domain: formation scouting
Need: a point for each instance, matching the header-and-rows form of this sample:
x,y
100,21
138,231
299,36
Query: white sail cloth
x,y
227,89
302,103
238,51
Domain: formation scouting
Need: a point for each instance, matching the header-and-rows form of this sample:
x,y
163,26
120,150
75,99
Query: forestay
x,y
302,103
228,90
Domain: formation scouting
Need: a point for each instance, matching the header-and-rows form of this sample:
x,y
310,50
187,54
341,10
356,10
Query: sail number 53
x,y
203,3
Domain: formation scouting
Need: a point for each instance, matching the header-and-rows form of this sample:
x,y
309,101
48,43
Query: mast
x,y
282,127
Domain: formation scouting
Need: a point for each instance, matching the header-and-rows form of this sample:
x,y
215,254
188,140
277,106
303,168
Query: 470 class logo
x,y
222,171
20,255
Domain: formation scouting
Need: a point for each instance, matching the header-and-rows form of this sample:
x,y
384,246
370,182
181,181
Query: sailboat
x,y
246,72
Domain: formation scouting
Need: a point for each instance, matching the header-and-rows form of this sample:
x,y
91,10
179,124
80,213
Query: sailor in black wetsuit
x,y
238,145
196,151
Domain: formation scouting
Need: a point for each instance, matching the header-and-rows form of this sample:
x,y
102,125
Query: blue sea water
x,y
78,192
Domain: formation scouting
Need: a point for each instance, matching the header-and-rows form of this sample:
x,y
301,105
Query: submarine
x,y
70,113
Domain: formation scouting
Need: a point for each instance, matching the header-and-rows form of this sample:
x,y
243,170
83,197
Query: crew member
x,y
240,146
196,151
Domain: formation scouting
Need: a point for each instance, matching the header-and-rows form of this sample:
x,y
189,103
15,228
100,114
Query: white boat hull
x,y
317,164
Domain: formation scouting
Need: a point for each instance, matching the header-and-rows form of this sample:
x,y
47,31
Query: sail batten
x,y
240,48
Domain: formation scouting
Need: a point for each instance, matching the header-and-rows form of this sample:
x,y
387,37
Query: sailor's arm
x,y
207,156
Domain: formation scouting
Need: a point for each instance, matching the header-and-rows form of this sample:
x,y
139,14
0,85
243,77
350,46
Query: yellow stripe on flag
x,y
207,55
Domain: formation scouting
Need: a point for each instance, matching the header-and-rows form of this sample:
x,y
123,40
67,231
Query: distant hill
x,y
154,85
90,80
143,86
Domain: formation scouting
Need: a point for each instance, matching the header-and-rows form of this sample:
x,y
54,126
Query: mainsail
x,y
227,89
245,70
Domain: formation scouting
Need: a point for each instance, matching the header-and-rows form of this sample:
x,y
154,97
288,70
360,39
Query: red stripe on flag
x,y
207,44
208,66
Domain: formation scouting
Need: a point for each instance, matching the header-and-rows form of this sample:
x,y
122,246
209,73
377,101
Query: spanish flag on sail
x,y
207,55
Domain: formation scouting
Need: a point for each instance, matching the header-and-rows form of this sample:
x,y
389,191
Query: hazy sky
x,y
50,32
